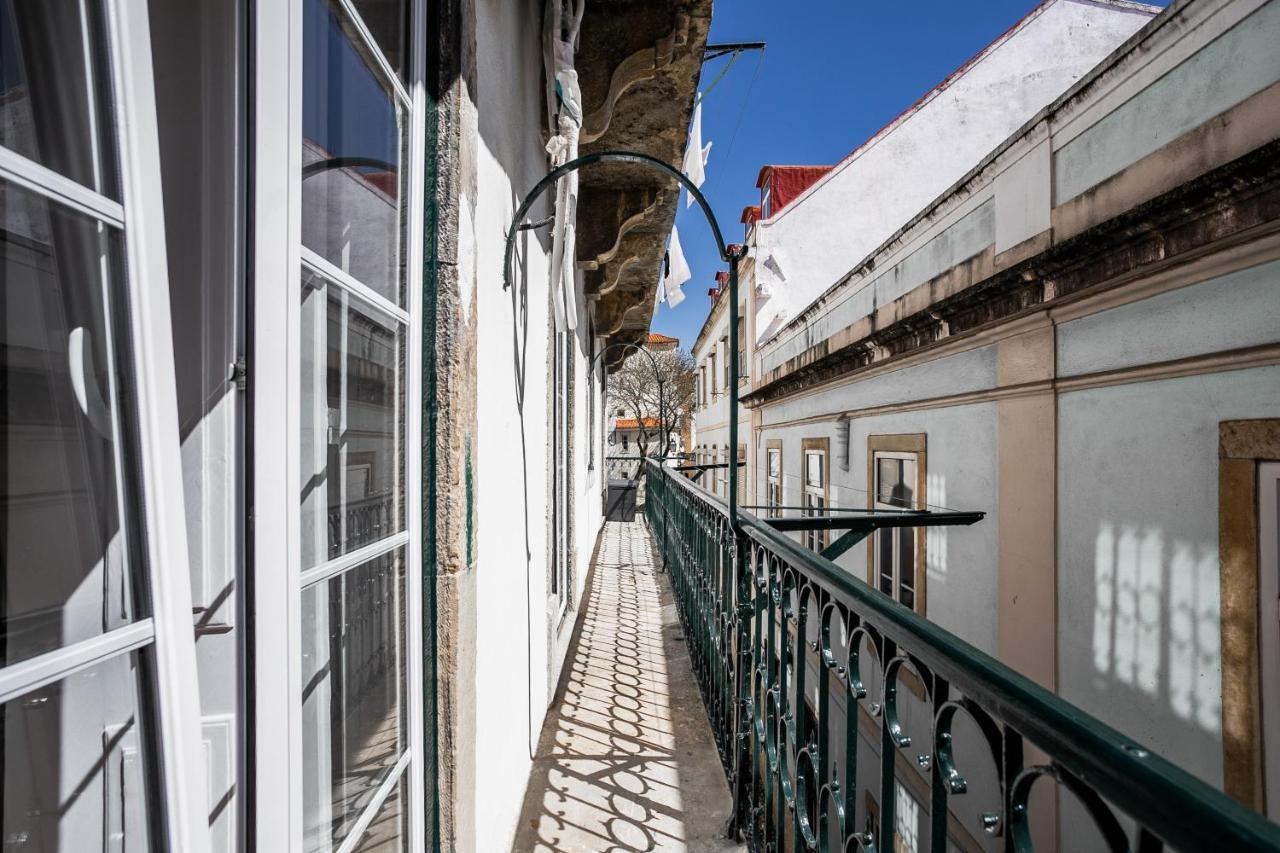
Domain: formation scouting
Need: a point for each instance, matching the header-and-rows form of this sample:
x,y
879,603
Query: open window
x,y
815,472
897,484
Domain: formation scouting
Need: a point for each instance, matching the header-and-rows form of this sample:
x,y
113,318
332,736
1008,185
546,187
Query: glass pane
x,y
389,830
353,700
387,21
74,776
64,550
351,154
887,478
54,104
907,496
775,463
352,489
884,559
907,558
813,469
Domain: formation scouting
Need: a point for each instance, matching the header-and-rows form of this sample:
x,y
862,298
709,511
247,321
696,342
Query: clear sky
x,y
834,72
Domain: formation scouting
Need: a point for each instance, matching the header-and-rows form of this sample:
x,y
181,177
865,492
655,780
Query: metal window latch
x,y
238,372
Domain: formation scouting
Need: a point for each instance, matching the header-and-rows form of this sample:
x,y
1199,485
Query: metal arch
x,y
731,255
607,157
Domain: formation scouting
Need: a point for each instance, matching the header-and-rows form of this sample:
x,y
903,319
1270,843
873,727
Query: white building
x,y
1081,338
805,245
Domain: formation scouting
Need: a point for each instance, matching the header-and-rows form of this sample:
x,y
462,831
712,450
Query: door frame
x,y
1243,447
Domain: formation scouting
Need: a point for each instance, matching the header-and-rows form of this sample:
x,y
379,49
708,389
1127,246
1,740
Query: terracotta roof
x,y
659,338
632,423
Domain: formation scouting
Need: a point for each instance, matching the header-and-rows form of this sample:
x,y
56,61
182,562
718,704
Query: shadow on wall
x,y
1156,625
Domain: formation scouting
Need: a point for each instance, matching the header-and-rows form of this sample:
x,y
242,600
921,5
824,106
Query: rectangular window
x,y
814,472
896,476
742,349
906,819
724,348
740,465
711,373
773,478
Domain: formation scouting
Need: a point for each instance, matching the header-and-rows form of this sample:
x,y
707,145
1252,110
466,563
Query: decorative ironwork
x,y
781,639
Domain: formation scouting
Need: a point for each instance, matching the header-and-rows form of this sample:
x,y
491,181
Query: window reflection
x,y
388,832
387,21
72,763
64,555
351,154
353,700
53,103
352,422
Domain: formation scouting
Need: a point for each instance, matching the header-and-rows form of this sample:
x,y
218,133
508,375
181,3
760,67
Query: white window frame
x,y
893,533
773,482
811,494
180,799
276,265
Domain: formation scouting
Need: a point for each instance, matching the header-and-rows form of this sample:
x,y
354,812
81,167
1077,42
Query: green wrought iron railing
x,y
802,667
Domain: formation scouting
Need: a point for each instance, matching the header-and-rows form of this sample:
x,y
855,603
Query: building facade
x,y
1079,338
261,417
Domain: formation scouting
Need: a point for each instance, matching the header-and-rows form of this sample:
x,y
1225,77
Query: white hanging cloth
x,y
677,272
695,155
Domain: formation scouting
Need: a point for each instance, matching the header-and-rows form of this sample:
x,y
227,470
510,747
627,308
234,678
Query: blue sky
x,y
834,72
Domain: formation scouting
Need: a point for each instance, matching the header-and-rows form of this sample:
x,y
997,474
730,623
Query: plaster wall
x,y
520,639
841,219
1232,311
1138,585
1185,97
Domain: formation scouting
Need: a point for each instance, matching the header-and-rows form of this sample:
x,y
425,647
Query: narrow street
x,y
626,760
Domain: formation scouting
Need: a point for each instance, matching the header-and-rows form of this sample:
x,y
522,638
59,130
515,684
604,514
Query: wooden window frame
x,y
915,443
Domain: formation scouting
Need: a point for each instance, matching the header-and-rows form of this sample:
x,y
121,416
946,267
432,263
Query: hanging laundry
x,y
695,154
677,270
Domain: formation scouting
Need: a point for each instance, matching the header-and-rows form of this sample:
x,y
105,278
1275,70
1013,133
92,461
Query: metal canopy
x,y
858,524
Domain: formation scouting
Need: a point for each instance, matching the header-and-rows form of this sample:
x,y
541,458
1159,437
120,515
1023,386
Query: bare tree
x,y
663,398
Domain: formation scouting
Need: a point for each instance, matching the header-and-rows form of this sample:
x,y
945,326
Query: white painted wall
x,y
519,644
839,221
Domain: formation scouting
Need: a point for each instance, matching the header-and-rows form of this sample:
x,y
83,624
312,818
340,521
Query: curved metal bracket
x,y
606,157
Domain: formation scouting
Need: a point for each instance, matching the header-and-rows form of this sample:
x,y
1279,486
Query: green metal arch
x,y
606,157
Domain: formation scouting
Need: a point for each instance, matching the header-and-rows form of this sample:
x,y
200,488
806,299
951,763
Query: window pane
x,y
813,469
887,478
353,357
54,104
884,559
907,495
775,463
907,558
74,776
389,831
353,698
351,153
386,20
65,551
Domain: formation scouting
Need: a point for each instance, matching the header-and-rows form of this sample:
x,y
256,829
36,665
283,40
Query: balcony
x,y
840,719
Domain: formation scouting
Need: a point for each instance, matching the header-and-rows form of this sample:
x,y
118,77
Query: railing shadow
x,y
625,761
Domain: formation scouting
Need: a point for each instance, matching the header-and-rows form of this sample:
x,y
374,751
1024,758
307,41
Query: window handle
x,y
84,381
